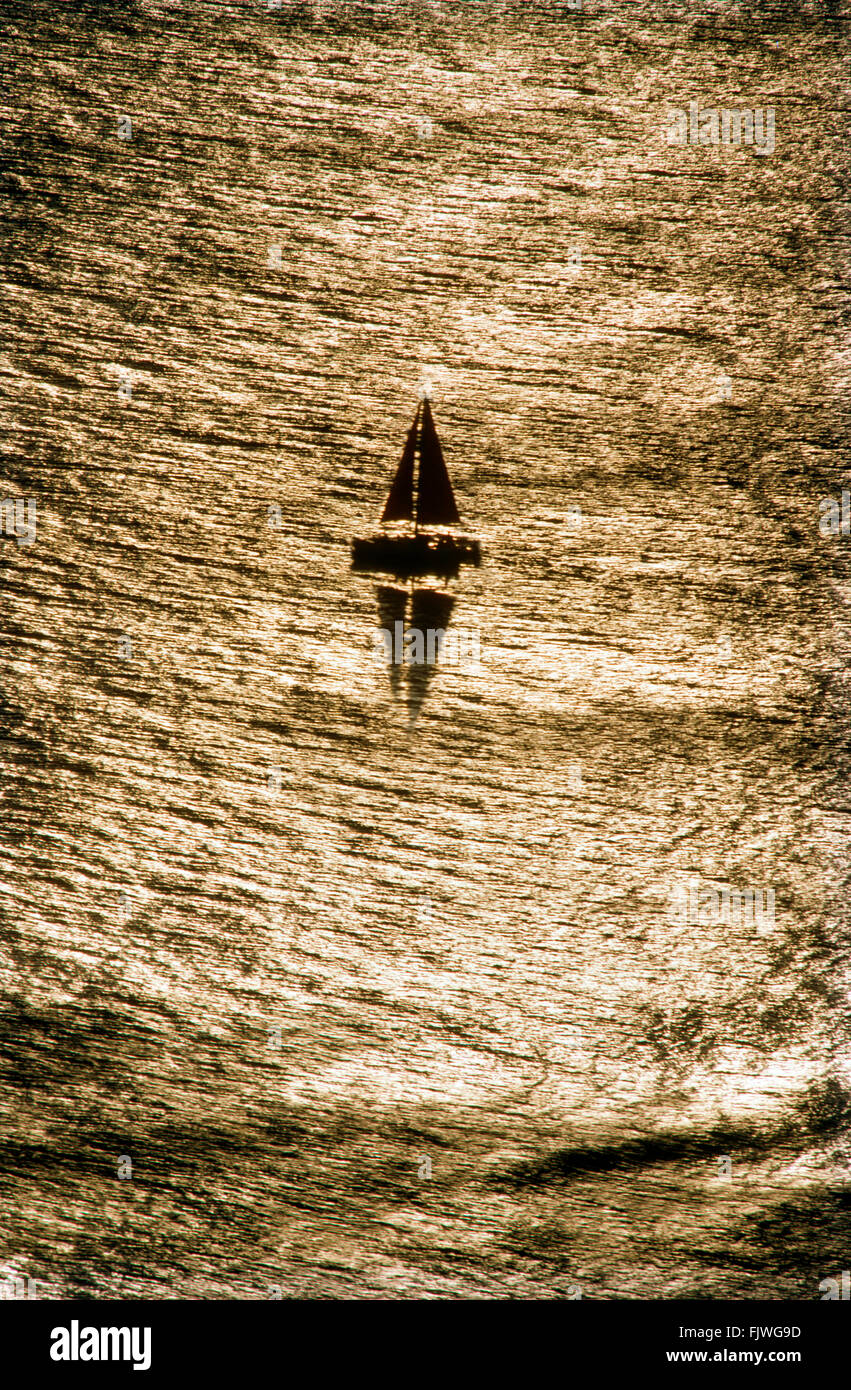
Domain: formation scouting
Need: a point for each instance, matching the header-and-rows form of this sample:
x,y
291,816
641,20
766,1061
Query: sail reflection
x,y
415,636
431,611
392,603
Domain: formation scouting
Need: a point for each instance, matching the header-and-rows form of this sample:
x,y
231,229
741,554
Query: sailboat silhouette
x,y
422,497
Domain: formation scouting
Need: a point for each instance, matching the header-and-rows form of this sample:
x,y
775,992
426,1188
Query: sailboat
x,y
422,497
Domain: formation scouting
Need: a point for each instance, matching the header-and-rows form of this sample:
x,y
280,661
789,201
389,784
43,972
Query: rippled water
x,y
372,975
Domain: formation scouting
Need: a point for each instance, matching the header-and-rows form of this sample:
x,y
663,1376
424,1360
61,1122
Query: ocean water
x,y
326,979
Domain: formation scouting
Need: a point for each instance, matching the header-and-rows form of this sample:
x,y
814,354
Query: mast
x,y
418,452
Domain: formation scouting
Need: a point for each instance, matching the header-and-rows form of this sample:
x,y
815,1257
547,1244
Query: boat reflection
x,y
414,638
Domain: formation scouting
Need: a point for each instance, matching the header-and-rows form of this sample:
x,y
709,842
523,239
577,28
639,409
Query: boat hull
x,y
420,554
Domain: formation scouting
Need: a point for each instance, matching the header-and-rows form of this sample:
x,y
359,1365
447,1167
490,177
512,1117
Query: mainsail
x,y
400,502
435,498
